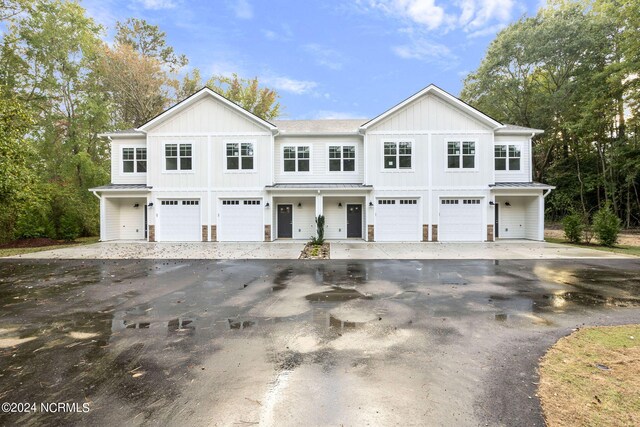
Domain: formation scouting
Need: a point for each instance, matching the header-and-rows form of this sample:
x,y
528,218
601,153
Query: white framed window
x,y
134,160
342,158
178,157
507,157
239,156
296,158
461,155
397,155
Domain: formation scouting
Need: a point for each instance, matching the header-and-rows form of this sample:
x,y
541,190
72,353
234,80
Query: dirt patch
x,y
35,243
590,378
316,251
626,237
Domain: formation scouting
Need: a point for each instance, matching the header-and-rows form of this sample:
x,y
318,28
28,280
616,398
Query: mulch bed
x,y
34,243
316,252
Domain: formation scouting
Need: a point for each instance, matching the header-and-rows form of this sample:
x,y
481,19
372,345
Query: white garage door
x,y
179,221
397,220
240,221
460,220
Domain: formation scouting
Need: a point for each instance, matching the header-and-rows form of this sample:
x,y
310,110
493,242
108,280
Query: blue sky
x,y
328,59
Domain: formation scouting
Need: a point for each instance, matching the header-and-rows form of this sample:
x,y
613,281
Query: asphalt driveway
x,y
294,343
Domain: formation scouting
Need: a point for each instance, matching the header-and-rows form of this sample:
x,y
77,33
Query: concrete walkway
x,y
513,249
290,249
187,250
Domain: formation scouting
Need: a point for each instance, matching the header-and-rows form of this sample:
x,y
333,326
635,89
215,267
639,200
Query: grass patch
x,y
590,378
621,249
21,251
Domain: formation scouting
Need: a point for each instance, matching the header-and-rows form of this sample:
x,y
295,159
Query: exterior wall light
x,y
339,204
299,205
266,206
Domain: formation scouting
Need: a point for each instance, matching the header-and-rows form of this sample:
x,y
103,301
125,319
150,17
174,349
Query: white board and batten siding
x,y
319,160
208,126
117,175
430,119
525,173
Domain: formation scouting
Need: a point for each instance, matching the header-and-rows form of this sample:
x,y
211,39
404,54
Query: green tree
x,y
248,94
567,71
149,41
16,176
49,65
137,86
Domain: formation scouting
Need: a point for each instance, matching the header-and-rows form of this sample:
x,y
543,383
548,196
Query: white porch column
x,y
541,217
319,204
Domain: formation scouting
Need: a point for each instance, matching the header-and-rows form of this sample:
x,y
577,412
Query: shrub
x,y
573,227
606,226
318,239
69,228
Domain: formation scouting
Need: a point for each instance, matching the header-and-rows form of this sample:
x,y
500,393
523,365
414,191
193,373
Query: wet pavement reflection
x,y
135,335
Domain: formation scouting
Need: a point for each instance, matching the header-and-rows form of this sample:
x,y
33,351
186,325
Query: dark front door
x,y
285,221
354,220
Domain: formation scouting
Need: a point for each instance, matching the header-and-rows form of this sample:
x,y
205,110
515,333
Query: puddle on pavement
x,y
334,322
240,324
337,294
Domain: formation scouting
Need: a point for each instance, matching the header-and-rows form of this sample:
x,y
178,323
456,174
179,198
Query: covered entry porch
x,y
123,211
296,206
519,210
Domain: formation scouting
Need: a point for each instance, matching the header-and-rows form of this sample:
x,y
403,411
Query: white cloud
x,y
324,56
423,12
284,33
427,51
242,9
486,11
468,15
287,84
157,4
487,31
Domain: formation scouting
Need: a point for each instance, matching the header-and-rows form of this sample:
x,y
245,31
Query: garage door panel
x,y
397,220
241,220
460,220
179,221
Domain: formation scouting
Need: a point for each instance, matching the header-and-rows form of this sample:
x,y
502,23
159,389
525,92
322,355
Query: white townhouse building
x,y
432,168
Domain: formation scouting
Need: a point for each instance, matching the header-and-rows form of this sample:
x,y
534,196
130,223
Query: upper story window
x,y
296,158
398,155
507,157
342,158
240,156
461,155
134,160
178,157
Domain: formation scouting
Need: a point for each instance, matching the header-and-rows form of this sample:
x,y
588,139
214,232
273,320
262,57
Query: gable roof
x,y
205,91
444,95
